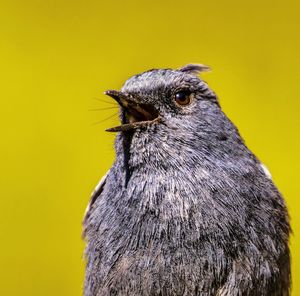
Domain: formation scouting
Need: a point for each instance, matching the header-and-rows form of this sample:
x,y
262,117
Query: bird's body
x,y
186,208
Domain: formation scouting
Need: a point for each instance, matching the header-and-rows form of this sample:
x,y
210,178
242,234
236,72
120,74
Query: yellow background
x,y
57,56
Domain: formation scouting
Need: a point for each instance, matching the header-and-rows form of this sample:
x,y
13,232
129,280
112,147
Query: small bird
x,y
186,208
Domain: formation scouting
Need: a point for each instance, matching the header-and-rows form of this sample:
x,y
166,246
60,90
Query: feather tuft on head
x,y
194,69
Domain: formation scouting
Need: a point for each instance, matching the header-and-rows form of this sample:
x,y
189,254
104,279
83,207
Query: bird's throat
x,y
127,139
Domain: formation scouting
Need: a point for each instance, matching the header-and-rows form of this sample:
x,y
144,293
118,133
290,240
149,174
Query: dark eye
x,y
183,97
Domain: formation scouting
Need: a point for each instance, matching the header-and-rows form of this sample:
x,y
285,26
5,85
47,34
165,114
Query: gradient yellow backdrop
x,y
58,56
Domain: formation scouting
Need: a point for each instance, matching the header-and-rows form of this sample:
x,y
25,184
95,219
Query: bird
x,y
186,208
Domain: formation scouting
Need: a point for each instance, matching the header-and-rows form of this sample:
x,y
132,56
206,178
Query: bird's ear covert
x,y
194,69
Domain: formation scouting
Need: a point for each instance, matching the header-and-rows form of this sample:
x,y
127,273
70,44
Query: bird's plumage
x,y
186,208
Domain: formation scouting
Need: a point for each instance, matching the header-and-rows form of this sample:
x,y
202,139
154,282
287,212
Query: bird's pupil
x,y
181,96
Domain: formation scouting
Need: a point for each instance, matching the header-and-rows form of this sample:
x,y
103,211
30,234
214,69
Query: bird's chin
x,y
135,117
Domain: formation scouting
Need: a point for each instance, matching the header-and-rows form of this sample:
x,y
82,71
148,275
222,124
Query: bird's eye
x,y
183,97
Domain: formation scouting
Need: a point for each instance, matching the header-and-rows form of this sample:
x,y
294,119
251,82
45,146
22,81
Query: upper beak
x,y
136,114
118,96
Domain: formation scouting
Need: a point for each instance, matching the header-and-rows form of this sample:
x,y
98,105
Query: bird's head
x,y
156,96
165,112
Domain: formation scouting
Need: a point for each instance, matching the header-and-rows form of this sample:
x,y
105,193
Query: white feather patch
x,y
95,191
266,171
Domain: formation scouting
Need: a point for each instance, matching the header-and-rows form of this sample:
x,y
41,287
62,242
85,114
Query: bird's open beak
x,y
136,114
